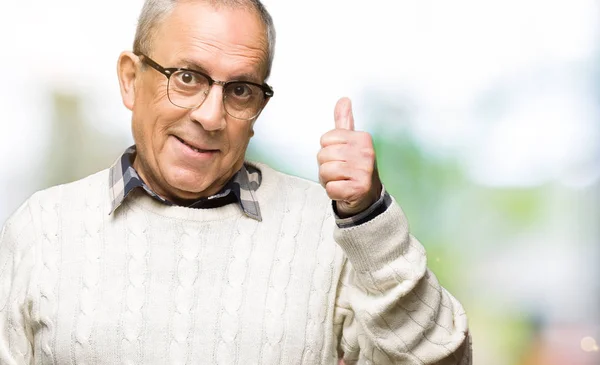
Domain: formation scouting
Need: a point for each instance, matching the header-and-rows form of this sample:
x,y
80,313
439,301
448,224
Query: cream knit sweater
x,y
154,284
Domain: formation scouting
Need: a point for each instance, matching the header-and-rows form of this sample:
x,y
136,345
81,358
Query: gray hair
x,y
155,11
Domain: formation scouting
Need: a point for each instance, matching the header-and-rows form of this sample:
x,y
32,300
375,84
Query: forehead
x,y
223,40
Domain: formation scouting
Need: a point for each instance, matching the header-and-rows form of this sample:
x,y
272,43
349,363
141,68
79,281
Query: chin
x,y
189,187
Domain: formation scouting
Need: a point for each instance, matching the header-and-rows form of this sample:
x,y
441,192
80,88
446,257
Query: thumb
x,y
343,114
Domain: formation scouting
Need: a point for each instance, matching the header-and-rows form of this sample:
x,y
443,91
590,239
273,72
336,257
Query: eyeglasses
x,y
189,88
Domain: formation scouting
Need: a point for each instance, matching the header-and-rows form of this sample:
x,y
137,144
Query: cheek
x,y
238,140
154,120
245,134
160,96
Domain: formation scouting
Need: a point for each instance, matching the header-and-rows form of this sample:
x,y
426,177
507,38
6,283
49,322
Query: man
x,y
183,253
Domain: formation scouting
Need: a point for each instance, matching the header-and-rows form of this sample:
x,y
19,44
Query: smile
x,y
194,148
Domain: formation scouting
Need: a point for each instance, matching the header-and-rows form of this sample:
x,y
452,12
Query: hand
x,y
347,168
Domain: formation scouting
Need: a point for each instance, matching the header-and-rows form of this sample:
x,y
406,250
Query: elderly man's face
x,y
227,44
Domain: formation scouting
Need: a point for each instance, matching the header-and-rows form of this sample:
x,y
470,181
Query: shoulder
x,y
272,178
43,210
284,193
56,198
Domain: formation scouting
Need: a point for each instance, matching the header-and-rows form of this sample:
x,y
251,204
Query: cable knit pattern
x,y
89,295
186,294
48,208
158,284
16,260
233,294
318,306
276,299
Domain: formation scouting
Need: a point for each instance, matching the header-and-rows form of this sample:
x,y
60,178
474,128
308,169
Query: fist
x,y
347,168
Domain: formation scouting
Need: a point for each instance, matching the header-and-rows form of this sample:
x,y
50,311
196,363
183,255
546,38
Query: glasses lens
x,y
243,100
187,89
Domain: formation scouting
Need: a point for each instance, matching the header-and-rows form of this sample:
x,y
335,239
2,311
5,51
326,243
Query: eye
x,y
187,78
241,90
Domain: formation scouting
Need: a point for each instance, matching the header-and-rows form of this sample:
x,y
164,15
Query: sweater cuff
x,y
377,208
378,242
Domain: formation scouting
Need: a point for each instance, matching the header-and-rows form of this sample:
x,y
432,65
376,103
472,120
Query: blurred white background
x,y
507,89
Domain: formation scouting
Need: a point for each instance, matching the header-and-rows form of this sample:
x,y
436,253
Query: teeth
x,y
194,148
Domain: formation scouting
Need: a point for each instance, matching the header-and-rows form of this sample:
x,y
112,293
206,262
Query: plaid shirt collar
x,y
123,179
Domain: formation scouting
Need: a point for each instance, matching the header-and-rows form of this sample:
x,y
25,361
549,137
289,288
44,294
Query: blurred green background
x,y
485,117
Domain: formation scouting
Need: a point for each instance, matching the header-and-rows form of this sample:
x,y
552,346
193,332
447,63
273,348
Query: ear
x,y
127,71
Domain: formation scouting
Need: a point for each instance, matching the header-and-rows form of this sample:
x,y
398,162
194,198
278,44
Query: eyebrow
x,y
191,65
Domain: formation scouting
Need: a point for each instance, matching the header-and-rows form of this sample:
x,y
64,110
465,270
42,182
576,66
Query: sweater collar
x,y
123,179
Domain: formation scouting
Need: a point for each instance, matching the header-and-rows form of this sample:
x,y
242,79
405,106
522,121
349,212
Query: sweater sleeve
x,y
16,265
390,309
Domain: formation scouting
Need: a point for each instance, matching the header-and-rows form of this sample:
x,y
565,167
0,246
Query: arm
x,y
390,308
16,264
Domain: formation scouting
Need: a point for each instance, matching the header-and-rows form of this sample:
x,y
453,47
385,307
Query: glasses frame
x,y
169,71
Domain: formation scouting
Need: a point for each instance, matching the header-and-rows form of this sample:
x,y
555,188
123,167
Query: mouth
x,y
194,148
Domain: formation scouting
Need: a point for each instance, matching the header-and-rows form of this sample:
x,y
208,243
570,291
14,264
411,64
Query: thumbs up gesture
x,y
347,168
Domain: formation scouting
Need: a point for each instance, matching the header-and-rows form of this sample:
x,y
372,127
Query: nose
x,y
211,113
